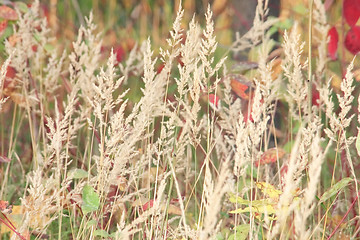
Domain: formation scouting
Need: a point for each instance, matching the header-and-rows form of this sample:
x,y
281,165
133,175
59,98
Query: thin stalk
x,y
332,181
342,220
11,226
9,152
309,57
323,217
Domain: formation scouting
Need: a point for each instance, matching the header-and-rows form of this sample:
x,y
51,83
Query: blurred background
x,y
124,22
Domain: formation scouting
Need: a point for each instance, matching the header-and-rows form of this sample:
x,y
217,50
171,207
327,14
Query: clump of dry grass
x,y
169,165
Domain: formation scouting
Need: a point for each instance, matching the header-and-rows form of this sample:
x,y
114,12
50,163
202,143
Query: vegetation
x,y
177,136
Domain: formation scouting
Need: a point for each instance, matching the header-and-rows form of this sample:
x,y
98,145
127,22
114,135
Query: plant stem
x,y
342,220
309,57
11,226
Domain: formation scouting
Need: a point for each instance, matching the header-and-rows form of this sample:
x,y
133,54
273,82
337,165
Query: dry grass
x,y
90,159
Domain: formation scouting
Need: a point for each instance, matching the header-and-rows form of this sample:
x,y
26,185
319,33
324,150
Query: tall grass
x,y
84,157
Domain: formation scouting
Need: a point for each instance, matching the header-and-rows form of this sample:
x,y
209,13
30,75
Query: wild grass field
x,y
144,120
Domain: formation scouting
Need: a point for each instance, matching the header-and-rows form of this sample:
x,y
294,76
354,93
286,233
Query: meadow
x,y
148,121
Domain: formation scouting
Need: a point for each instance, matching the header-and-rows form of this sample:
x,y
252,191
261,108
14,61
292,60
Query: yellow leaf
x,y
218,6
268,209
223,28
15,218
335,81
276,68
357,74
240,200
269,190
172,209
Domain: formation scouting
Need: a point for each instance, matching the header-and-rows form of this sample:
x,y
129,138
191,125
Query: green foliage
x,y
241,232
335,189
91,200
78,173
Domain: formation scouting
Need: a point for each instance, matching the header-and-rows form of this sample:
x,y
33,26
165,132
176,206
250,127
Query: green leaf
x,y
288,146
254,171
90,199
296,126
115,235
219,236
335,189
285,24
301,9
101,233
78,173
91,223
7,33
36,37
49,47
258,206
357,144
254,52
242,232
21,6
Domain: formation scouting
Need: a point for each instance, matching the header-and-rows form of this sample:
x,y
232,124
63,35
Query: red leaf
x,y
4,159
3,26
247,115
315,96
248,110
333,43
352,40
5,207
120,53
3,204
160,68
178,59
240,87
45,12
351,11
283,172
34,48
328,3
148,204
10,72
270,156
214,100
10,75
8,13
